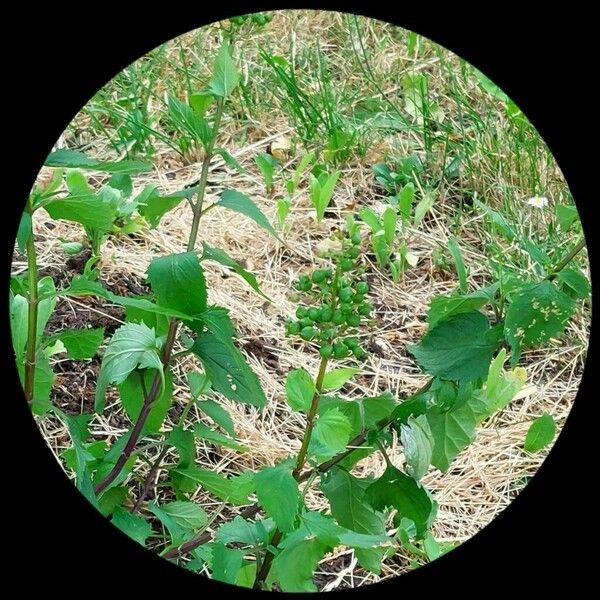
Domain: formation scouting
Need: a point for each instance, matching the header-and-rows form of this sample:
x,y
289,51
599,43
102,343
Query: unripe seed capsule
x,y
326,351
308,333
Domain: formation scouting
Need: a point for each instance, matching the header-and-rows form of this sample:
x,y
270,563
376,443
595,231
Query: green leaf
x,y
389,219
321,191
234,490
423,207
299,389
241,531
267,164
417,442
294,566
230,160
158,322
185,515
135,526
216,319
541,433
132,345
202,431
278,494
461,270
153,207
43,380
19,308
502,225
246,575
443,307
78,160
454,429
241,203
188,121
405,201
132,398
225,76
89,210
575,280
490,87
220,256
370,217
178,282
346,495
376,408
397,490
335,379
24,231
226,562
111,499
537,312
82,286
81,343
566,216
46,305
228,370
218,414
459,348
332,432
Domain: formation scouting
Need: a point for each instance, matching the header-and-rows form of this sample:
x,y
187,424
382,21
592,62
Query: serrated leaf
x,y
397,490
225,76
187,516
336,378
278,494
220,256
228,370
575,280
204,432
132,345
81,343
299,390
135,526
241,531
332,432
88,210
294,566
229,489
111,499
459,348
153,207
178,283
537,312
417,443
226,562
346,495
540,433
72,159
132,398
443,307
241,203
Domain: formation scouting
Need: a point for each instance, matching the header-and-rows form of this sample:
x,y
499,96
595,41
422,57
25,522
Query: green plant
x,y
291,184
322,186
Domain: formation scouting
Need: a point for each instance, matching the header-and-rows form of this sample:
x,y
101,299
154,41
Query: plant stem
x,y
173,324
32,313
254,509
310,418
567,259
204,176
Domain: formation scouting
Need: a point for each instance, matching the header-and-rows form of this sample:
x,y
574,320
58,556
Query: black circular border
x,y
60,57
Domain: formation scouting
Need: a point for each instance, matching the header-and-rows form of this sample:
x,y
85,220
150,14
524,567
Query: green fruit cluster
x,y
257,18
337,306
